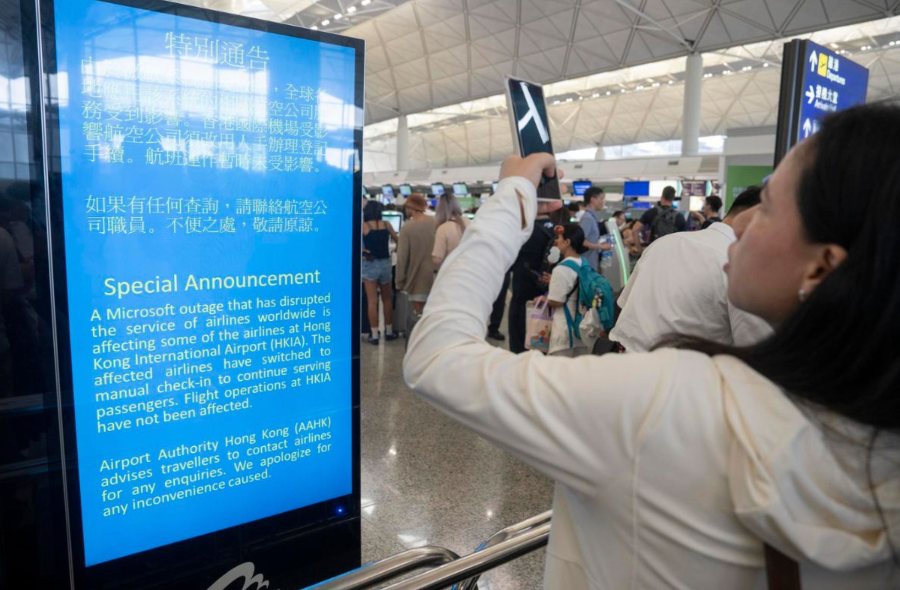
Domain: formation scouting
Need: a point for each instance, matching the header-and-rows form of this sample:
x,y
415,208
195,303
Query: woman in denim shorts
x,y
376,268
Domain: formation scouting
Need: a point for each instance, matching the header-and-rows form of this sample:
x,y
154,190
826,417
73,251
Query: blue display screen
x,y
580,186
641,205
437,189
637,188
831,82
207,175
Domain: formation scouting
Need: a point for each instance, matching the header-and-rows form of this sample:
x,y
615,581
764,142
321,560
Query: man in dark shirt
x,y
662,219
528,271
710,214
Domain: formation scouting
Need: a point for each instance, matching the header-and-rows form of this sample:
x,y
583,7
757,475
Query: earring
x,y
801,295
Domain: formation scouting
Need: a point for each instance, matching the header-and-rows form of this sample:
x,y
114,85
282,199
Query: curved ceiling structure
x,y
637,104
613,67
426,54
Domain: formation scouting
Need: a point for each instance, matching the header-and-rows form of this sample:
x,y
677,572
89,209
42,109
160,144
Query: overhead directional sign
x,y
830,83
815,82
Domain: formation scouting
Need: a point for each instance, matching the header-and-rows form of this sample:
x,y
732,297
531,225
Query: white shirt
x,y
670,466
679,287
562,289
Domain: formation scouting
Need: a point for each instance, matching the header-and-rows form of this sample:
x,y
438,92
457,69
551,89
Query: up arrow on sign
x,y
807,128
813,61
810,95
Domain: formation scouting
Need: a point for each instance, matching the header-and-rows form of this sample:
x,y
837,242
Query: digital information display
x,y
830,83
637,188
694,188
579,187
207,175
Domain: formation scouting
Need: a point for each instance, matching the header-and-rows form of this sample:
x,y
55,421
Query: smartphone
x,y
531,128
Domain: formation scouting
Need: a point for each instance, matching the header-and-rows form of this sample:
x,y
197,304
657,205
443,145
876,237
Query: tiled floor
x,y
426,480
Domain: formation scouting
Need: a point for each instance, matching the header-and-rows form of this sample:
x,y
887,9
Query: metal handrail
x,y
503,546
371,574
478,562
501,536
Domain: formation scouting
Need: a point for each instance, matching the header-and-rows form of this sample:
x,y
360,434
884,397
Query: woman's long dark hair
x,y
839,349
373,211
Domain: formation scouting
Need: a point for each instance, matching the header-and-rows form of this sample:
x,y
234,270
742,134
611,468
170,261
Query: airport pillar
x,y
402,143
693,86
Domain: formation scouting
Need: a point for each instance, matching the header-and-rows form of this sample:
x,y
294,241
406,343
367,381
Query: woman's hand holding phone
x,y
531,167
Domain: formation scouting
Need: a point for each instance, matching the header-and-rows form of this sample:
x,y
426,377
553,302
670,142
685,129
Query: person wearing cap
x,y
415,270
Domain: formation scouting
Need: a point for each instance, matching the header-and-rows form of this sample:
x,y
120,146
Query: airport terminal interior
x,y
227,228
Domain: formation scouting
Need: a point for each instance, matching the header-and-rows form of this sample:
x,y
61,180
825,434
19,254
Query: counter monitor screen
x,y
437,189
694,188
636,188
395,218
405,190
580,186
387,191
460,189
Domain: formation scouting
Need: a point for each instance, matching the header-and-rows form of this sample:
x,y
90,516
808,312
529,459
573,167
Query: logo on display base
x,y
246,573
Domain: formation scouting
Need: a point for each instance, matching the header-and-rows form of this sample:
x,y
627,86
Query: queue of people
x,y
749,423
440,232
424,241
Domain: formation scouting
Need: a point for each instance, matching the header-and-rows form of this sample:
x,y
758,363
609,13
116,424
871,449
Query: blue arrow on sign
x,y
810,95
813,61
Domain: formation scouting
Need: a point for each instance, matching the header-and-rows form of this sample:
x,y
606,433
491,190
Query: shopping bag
x,y
537,325
590,328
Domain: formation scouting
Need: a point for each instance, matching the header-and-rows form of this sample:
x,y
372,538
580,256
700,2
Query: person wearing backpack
x,y
562,294
661,220
589,310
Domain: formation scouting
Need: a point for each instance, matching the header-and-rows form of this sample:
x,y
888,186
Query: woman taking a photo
x,y
675,468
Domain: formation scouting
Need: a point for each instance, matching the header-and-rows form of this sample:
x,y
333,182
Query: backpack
x,y
664,222
595,311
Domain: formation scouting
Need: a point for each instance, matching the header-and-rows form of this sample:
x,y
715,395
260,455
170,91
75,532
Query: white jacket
x,y
679,287
670,466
